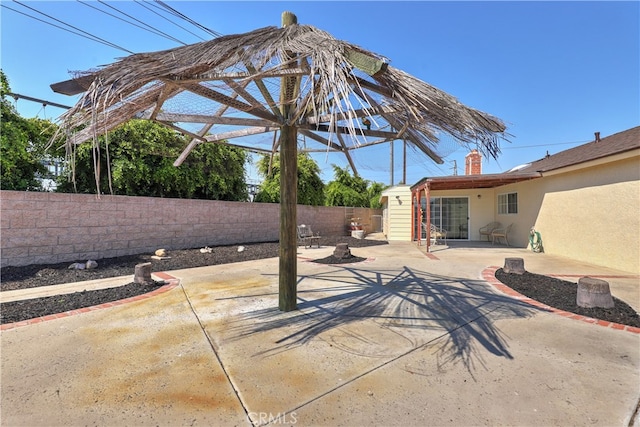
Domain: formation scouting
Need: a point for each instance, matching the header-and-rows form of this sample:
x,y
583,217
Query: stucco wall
x,y
481,209
592,215
530,195
46,228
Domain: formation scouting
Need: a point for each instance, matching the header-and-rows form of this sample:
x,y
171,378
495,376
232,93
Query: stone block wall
x,y
47,228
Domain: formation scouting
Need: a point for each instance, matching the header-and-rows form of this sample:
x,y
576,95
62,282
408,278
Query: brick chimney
x,y
473,163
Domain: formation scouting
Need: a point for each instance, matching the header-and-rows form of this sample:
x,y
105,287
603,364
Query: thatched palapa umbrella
x,y
291,80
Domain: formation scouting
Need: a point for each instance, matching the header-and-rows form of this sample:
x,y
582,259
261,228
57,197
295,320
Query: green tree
x,y
374,191
352,190
141,154
23,145
310,185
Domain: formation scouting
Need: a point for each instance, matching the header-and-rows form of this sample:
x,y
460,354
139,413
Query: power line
x,y
146,27
84,33
186,18
59,27
141,3
153,30
543,145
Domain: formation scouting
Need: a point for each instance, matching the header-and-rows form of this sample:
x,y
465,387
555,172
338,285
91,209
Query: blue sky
x,y
554,72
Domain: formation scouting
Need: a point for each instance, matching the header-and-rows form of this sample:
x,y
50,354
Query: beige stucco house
x,y
584,202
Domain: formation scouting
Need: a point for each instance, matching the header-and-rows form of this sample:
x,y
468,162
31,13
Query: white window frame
x,y
507,206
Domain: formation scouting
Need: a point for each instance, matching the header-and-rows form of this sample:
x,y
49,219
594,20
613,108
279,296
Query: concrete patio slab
x,y
400,339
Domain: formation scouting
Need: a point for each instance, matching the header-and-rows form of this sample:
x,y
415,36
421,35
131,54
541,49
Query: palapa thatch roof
x,y
230,87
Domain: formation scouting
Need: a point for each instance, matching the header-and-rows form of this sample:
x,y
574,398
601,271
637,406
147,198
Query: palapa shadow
x,y
406,302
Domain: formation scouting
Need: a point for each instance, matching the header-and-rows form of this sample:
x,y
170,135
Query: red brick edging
x,y
489,274
173,282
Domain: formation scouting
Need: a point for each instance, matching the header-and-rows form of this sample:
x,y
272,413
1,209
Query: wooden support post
x,y
288,267
427,195
288,235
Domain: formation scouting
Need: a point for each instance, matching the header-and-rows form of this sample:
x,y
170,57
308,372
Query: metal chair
x,y
435,233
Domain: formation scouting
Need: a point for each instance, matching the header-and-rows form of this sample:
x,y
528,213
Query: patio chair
x,y
436,233
501,233
488,229
306,236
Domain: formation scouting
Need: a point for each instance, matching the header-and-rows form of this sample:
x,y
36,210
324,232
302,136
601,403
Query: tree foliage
x,y
352,190
141,154
310,185
23,144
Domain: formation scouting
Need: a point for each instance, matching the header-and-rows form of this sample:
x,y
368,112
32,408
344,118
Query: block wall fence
x,y
48,228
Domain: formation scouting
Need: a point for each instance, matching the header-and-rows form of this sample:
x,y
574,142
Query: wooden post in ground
x,y
288,268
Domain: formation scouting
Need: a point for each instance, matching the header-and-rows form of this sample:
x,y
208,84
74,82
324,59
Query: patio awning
x,y
461,182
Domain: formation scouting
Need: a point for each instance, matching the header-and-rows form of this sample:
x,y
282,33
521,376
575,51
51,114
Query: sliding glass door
x,y
449,213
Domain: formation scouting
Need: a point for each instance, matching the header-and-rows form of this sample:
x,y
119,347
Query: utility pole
x,y
455,168
391,163
404,161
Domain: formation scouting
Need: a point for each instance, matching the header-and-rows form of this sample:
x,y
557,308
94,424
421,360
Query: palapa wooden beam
x,y
243,93
346,130
237,75
320,139
213,120
231,102
193,143
347,155
241,132
265,92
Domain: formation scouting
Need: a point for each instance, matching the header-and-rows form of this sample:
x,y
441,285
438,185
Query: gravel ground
x,y
561,294
551,291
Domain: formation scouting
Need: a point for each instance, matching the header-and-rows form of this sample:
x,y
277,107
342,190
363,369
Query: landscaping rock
x,y
514,265
142,273
342,251
594,293
77,266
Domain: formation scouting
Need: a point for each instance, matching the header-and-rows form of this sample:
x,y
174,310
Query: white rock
x,y
91,264
240,248
206,250
161,252
77,266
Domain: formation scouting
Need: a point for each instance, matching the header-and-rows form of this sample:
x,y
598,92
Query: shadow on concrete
x,y
454,316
